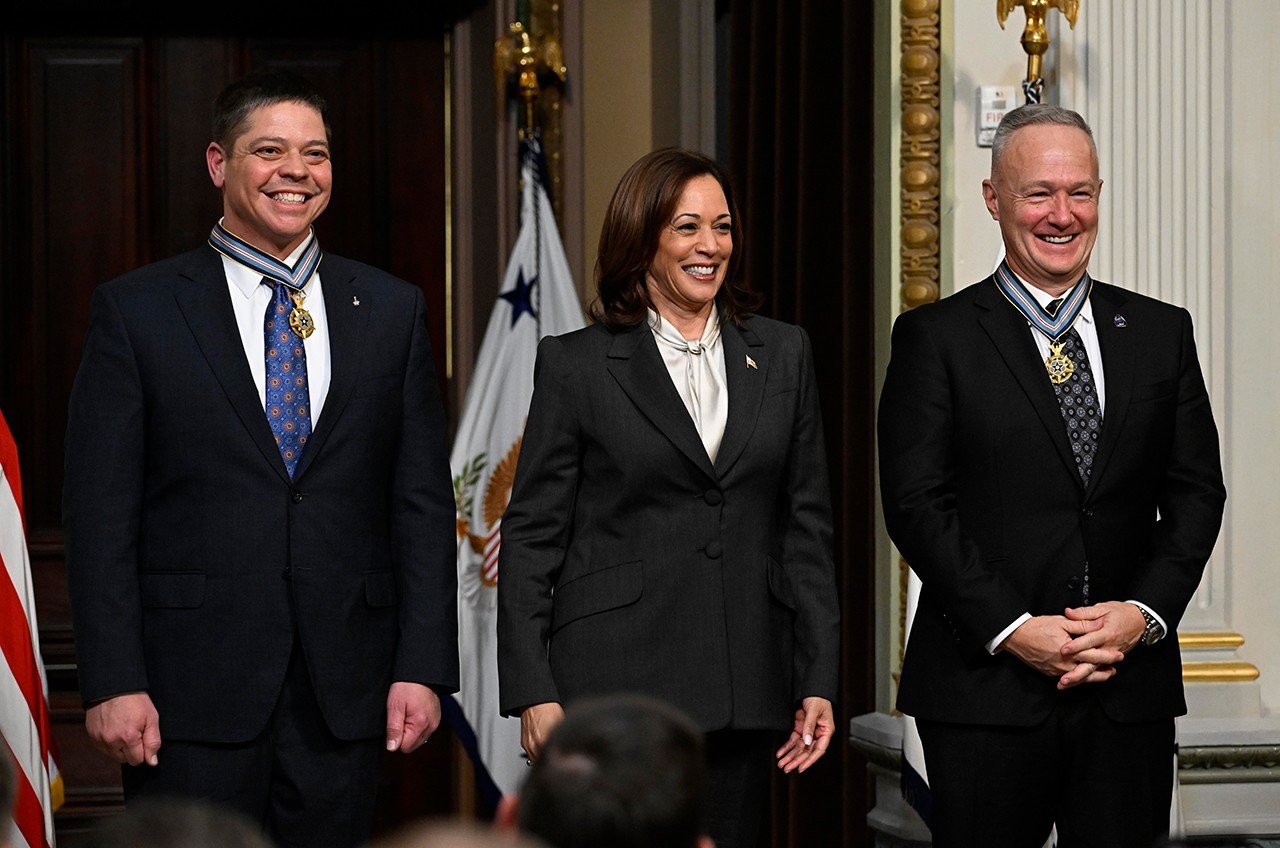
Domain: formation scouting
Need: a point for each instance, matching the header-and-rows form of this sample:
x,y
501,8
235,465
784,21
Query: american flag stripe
x,y
24,710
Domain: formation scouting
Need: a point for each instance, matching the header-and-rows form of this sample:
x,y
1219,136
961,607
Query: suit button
x,y
296,497
714,550
288,572
1073,583
713,497
1087,513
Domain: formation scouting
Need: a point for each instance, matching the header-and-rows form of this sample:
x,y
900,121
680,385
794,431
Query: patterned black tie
x,y
1078,400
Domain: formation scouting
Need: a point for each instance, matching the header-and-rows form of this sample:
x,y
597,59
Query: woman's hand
x,y
536,723
814,727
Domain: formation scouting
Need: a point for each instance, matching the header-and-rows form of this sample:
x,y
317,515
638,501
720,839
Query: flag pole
x,y
537,296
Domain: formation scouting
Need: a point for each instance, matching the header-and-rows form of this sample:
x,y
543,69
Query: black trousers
x,y
740,766
1104,784
303,785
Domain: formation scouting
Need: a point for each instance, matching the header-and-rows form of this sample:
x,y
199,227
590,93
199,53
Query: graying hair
x,y
1036,113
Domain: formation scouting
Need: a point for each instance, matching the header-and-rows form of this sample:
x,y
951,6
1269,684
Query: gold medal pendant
x,y
1059,365
300,320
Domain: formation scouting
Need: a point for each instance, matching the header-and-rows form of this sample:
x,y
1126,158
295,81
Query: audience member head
x,y
437,833
177,823
623,771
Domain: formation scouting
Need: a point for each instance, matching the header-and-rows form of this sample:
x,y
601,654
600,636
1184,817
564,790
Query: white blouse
x,y
697,370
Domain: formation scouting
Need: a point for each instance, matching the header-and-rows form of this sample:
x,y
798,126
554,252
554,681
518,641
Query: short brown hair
x,y
263,87
642,205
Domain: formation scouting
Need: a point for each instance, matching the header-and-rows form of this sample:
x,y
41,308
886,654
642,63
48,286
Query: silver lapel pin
x,y
355,301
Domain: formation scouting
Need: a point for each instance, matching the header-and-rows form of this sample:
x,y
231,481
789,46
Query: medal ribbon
x,y
1053,326
238,250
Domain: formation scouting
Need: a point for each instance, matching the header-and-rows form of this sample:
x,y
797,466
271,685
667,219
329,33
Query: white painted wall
x,y
976,52
1251,538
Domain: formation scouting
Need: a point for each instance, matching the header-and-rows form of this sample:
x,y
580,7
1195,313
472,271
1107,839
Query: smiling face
x,y
1044,192
693,253
277,177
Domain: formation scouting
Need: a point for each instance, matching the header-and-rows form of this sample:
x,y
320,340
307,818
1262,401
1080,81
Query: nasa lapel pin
x,y
1120,322
751,363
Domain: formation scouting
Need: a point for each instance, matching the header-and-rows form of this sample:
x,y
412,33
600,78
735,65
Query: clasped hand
x,y
1081,646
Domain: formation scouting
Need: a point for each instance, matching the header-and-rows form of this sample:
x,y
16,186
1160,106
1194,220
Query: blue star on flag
x,y
520,297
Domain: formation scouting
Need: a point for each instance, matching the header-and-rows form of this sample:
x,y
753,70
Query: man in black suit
x,y
1050,469
258,509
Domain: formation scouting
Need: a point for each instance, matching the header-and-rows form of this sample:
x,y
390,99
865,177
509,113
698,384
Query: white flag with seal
x,y
537,299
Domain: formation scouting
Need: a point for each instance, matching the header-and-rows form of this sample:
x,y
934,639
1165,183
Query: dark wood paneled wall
x,y
103,170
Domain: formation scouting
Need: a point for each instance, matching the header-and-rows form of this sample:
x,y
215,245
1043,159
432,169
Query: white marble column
x,y
1184,110
1149,77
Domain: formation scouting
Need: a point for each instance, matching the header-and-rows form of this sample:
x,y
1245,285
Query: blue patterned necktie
x,y
288,400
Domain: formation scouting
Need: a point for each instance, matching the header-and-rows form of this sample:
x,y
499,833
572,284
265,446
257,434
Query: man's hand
x,y
536,723
413,714
1118,628
126,728
814,727
1041,642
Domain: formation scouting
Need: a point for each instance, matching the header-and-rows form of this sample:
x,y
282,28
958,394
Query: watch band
x,y
1153,631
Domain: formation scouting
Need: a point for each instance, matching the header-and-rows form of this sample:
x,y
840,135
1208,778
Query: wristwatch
x,y
1153,631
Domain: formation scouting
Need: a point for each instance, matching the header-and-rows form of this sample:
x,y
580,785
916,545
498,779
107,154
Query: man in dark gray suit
x,y
1050,469
258,509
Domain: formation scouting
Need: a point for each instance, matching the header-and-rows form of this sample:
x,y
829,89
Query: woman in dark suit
x,y
669,530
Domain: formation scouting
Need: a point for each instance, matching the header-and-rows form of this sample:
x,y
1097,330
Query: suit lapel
x,y
1119,364
206,307
634,361
746,389
347,324
1008,330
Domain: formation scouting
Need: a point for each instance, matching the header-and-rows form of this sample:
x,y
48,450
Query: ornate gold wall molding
x,y
920,151
921,179
1210,640
1229,671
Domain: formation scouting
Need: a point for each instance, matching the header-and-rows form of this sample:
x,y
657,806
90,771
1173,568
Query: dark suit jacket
x,y
982,497
194,560
711,587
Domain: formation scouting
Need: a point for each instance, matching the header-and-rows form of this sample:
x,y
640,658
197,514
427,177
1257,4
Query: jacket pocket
x,y
780,584
171,589
597,591
380,588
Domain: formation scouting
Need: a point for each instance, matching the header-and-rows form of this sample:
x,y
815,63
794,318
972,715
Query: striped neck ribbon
x,y
238,250
1053,325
